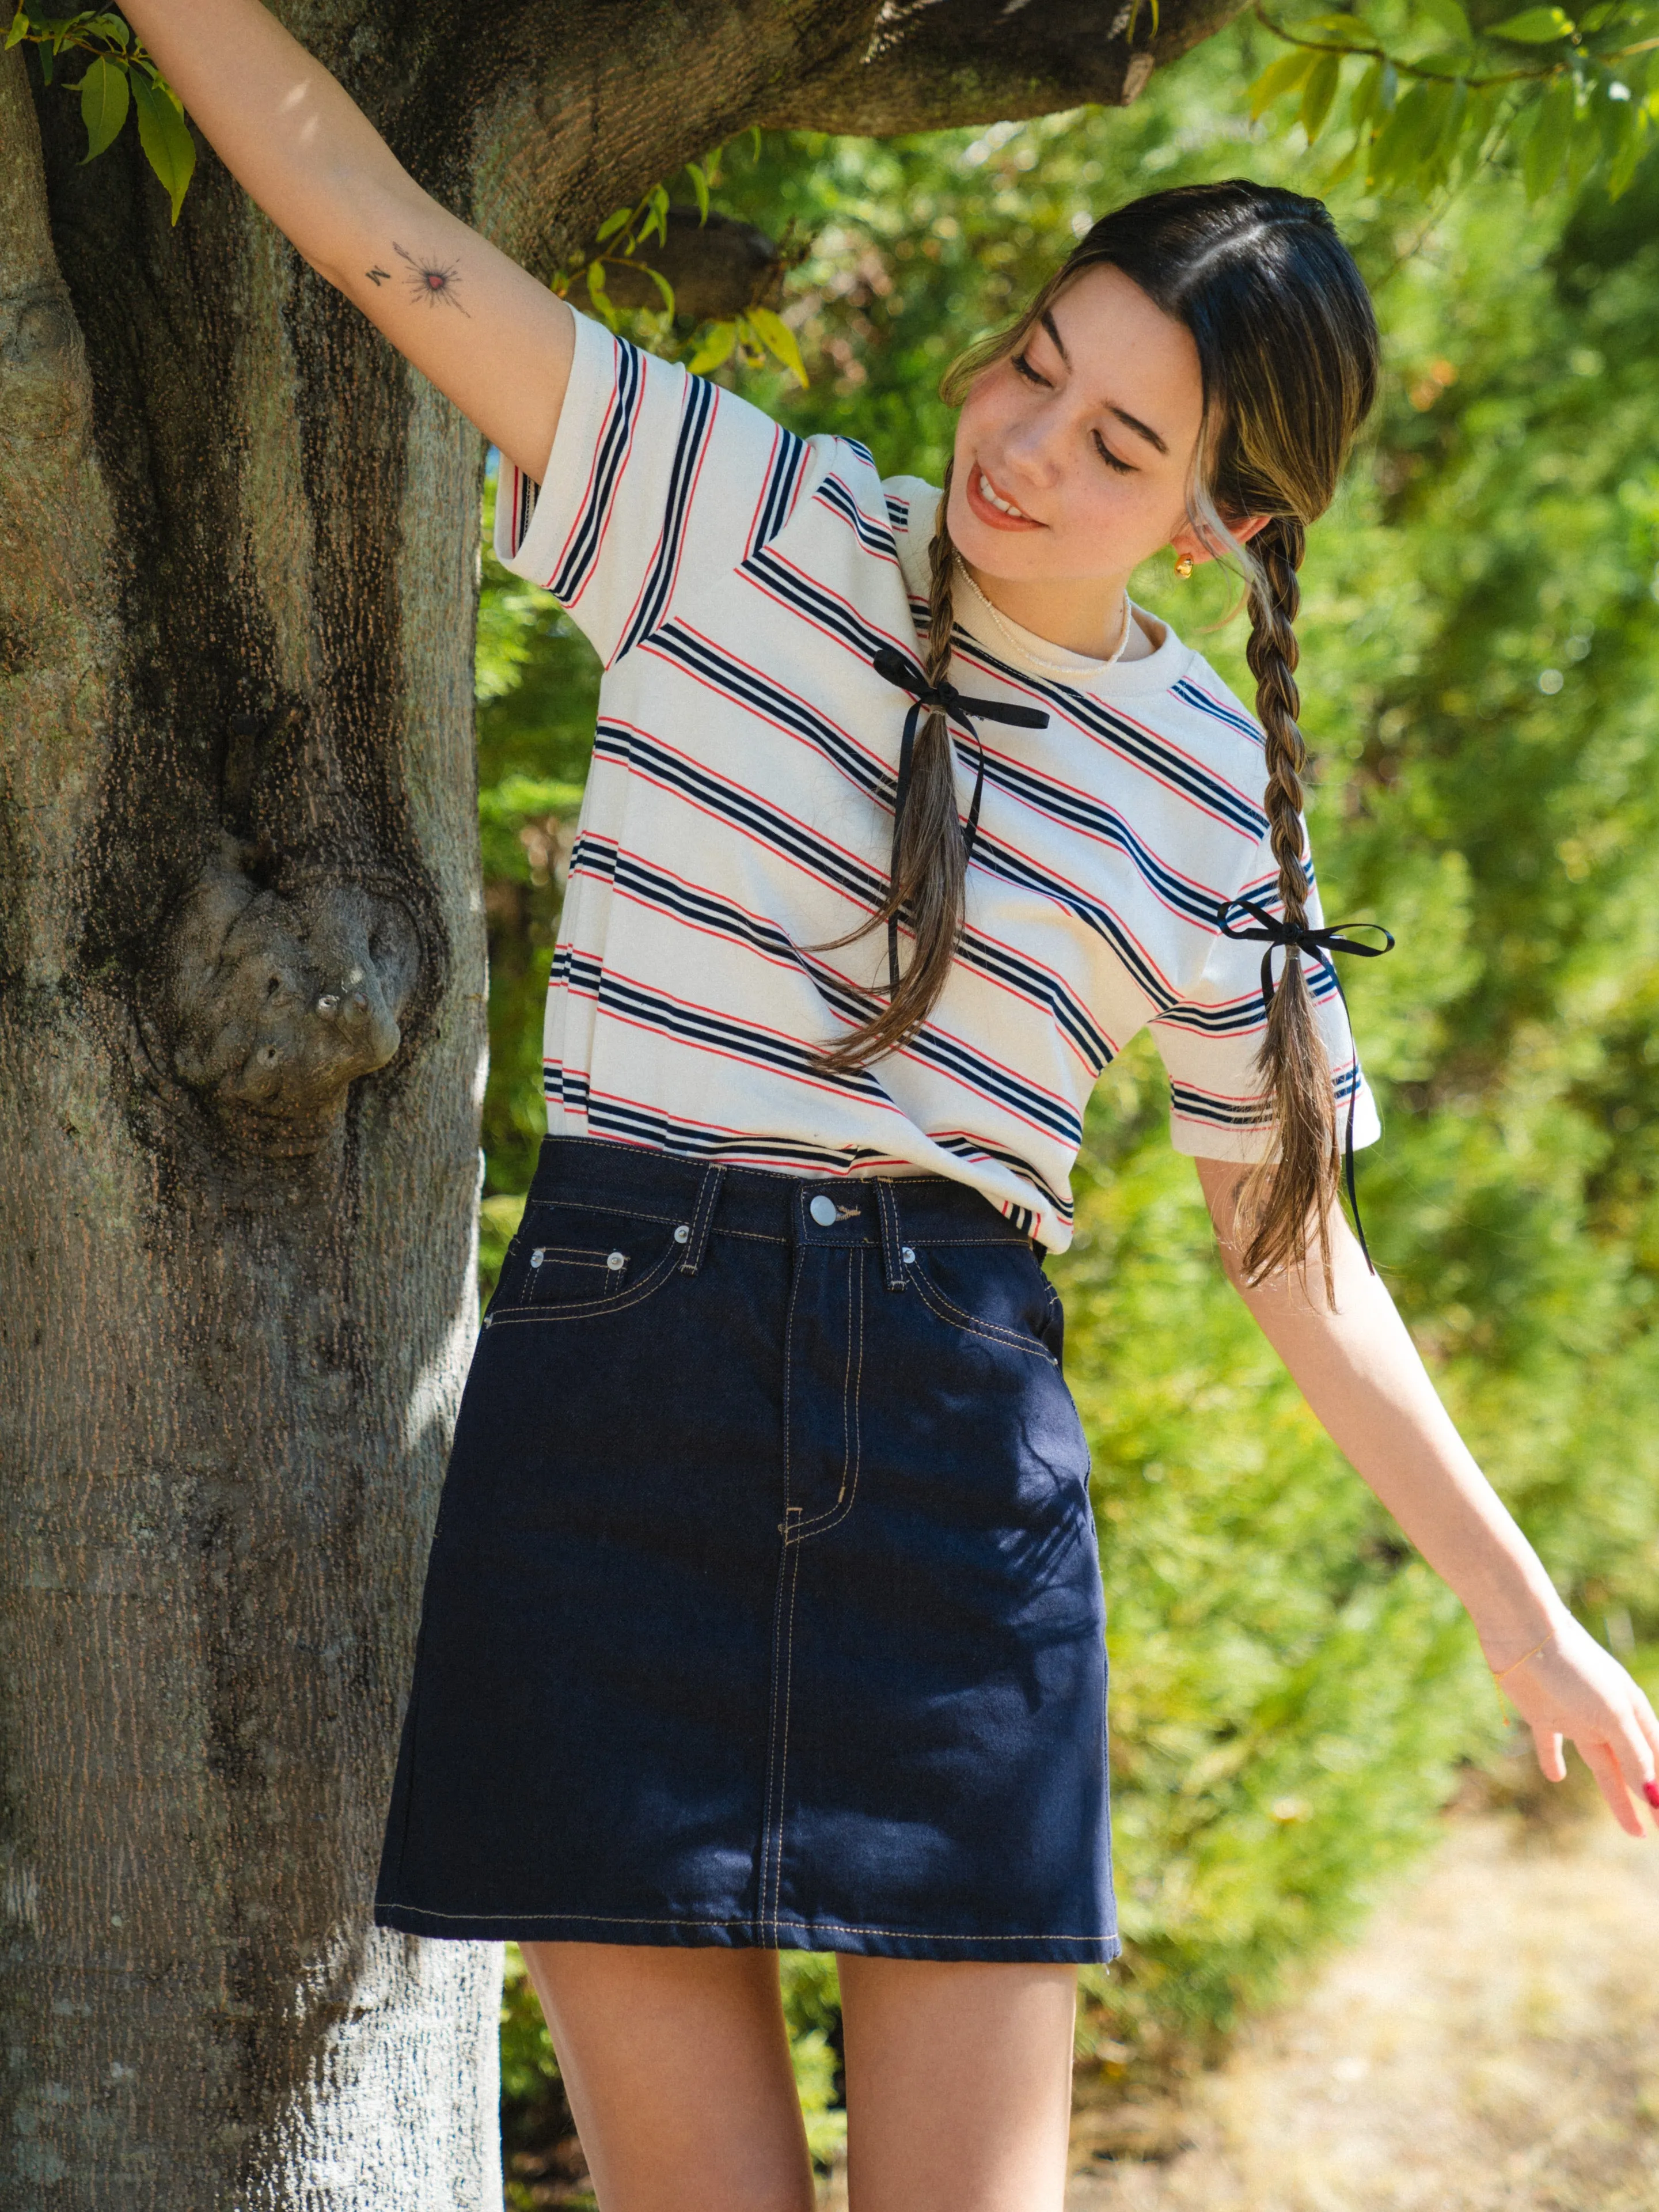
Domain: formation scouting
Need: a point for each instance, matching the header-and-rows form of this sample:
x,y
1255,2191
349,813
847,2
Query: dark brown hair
x,y
1288,350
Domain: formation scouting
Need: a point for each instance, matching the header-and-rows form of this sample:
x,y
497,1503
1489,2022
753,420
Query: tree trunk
x,y
242,1046
240,878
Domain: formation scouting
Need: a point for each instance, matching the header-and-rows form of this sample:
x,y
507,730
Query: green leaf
x,y
1535,27
1372,96
1633,144
1341,29
1318,94
43,54
717,343
779,339
1553,117
700,185
18,30
604,307
663,286
104,102
1583,142
1443,150
1439,102
1484,103
1409,131
612,224
1285,75
1450,18
1363,106
165,137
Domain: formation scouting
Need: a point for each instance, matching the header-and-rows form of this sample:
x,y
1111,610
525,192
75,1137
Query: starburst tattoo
x,y
430,281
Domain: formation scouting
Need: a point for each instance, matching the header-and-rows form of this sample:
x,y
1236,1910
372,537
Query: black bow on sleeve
x,y
1272,930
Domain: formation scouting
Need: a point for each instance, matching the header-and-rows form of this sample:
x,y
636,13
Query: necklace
x,y
1064,668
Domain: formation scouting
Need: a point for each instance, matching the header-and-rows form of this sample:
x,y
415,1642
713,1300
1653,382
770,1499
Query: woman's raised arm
x,y
489,335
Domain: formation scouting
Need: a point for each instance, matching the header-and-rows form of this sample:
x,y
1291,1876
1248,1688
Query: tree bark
x,y
242,1046
240,878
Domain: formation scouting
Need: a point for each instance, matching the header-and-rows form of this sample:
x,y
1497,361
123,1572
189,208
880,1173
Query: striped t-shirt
x,y
735,581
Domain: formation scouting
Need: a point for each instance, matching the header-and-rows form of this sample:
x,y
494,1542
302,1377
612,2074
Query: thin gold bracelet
x,y
1498,1673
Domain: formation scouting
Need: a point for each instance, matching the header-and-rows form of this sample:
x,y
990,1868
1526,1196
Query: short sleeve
x,y
1219,1107
655,478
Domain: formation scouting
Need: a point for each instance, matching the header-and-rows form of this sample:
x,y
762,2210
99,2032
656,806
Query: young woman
x,y
764,1608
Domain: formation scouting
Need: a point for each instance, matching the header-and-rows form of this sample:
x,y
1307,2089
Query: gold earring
x,y
1183,566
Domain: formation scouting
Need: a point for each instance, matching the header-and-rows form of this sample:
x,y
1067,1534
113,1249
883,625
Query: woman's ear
x,y
1189,545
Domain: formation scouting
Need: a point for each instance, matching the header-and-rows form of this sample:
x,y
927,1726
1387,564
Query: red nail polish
x,y
1650,1791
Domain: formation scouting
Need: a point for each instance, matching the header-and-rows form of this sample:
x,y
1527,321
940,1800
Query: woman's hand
x,y
1573,1690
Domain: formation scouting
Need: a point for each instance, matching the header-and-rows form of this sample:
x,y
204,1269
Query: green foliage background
x,y
1292,1691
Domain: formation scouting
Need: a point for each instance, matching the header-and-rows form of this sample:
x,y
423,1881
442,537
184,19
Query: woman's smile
x,y
994,507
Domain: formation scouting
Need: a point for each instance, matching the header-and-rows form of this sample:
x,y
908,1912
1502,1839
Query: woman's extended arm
x,y
497,341
1360,1373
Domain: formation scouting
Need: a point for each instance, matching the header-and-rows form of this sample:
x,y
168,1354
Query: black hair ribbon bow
x,y
1273,930
926,697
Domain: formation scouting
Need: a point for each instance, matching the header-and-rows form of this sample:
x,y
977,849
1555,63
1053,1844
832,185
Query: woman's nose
x,y
1035,449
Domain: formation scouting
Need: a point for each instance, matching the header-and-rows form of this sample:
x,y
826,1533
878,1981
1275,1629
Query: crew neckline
x,y
1024,649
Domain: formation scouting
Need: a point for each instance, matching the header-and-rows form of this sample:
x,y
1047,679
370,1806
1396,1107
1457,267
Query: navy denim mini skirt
x,y
764,1606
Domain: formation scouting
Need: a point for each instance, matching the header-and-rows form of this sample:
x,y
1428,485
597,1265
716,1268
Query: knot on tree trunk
x,y
37,329
43,392
275,990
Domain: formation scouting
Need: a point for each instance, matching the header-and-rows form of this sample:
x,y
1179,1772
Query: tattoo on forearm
x,y
429,280
377,275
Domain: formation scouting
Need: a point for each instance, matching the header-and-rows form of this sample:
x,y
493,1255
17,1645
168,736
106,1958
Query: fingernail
x,y
1650,1791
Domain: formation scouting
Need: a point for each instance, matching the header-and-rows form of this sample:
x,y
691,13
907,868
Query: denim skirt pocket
x,y
997,1292
571,1262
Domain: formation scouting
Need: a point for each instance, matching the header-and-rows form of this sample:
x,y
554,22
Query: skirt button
x,y
823,1211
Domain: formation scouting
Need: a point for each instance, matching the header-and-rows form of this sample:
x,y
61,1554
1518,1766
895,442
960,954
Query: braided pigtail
x,y
1288,353
1287,1199
929,881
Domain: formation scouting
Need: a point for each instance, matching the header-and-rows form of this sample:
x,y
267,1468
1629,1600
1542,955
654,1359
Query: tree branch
x,y
933,64
565,118
573,112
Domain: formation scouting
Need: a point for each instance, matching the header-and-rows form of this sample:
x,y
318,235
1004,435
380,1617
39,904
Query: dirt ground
x,y
1490,2045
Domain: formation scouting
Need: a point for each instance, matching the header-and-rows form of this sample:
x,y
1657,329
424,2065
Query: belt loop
x,y
708,1192
892,1260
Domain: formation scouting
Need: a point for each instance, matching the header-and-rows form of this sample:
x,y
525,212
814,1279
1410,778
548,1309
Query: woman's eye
x,y
1026,370
1123,468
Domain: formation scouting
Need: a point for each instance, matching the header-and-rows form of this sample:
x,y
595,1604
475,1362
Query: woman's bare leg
x,y
677,2066
958,2084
